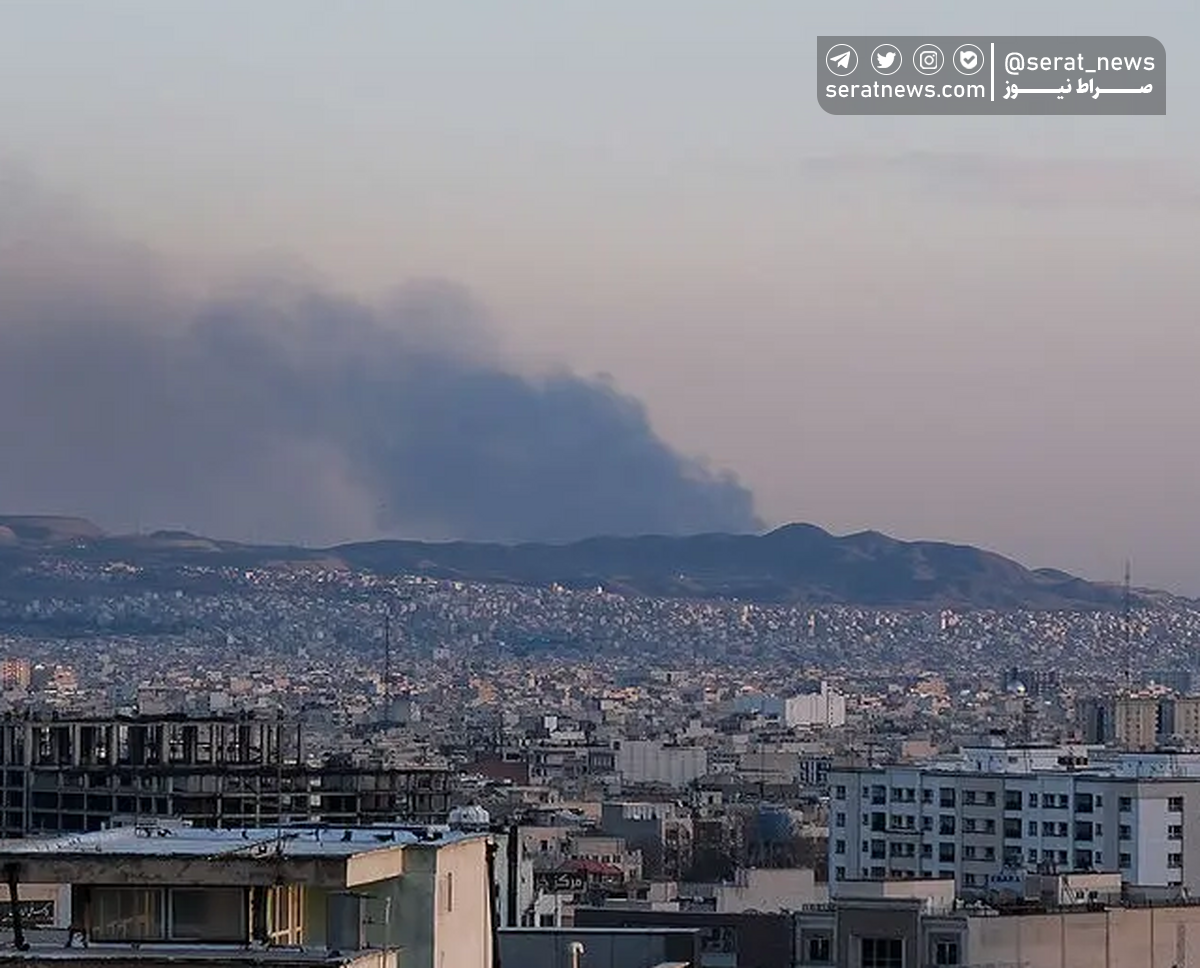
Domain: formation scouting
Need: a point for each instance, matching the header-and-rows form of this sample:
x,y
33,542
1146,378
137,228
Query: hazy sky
x,y
976,329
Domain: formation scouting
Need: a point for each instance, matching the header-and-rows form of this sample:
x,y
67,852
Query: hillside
x,y
798,563
795,563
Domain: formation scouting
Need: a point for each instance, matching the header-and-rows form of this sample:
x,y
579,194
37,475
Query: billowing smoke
x,y
281,412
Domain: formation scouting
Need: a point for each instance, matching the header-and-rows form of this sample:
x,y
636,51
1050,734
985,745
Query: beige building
x,y
1068,921
375,897
1186,726
1136,722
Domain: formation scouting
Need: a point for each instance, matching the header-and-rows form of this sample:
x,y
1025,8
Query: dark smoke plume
x,y
281,412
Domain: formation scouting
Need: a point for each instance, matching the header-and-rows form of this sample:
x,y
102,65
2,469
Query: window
x,y
1124,861
1125,832
1047,828
878,795
927,823
719,940
946,853
839,820
1012,799
990,798
1031,828
969,798
1083,803
839,873
1083,830
819,948
1175,804
968,825
1033,799
878,850
946,796
881,953
1033,855
927,796
1175,861
1012,828
1175,832
878,822
989,826
212,914
839,847
946,952
1125,804
946,825
839,793
126,914
285,915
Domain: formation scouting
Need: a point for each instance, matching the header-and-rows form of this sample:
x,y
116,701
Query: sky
x,y
640,224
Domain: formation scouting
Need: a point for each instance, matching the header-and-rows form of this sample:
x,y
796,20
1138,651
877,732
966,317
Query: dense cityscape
x,y
531,486
672,769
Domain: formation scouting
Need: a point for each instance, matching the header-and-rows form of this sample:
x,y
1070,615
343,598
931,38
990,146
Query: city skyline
x,y
961,329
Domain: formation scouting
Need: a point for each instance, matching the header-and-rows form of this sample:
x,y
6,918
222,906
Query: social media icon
x,y
842,59
928,59
886,59
968,59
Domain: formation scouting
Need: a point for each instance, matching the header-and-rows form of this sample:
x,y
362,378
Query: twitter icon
x,y
886,59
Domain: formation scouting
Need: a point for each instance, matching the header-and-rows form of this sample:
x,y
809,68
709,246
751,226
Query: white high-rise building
x,y
987,813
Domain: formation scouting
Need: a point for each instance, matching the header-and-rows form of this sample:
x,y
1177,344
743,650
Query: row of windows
x,y
1013,799
1083,830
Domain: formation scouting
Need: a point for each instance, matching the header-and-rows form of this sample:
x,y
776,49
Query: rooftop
x,y
1082,761
165,839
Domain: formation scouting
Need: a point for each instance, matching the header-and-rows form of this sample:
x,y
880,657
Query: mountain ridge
x,y
797,563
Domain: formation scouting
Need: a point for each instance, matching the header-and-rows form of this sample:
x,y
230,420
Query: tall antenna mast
x,y
1127,628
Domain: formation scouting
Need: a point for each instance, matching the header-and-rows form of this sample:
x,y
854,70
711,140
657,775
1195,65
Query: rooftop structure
x,y
163,893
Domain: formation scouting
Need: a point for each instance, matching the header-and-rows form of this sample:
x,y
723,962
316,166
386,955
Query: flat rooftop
x,y
179,840
1087,762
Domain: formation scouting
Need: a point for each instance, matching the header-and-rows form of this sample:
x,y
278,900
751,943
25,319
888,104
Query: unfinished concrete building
x,y
67,775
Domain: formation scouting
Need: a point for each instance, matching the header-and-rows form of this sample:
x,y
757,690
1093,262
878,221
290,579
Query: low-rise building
x,y
377,897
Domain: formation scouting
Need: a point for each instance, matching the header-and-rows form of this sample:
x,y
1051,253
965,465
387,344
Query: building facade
x,y
64,775
987,812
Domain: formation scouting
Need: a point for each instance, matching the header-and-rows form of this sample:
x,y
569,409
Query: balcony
x,y
50,947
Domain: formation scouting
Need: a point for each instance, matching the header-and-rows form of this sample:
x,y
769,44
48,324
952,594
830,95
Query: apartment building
x,y
167,893
652,762
987,812
76,774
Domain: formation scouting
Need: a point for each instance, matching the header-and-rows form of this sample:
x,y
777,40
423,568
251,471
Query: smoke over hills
x,y
278,411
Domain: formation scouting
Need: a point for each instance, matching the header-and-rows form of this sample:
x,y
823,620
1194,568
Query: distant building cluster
x,y
306,766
